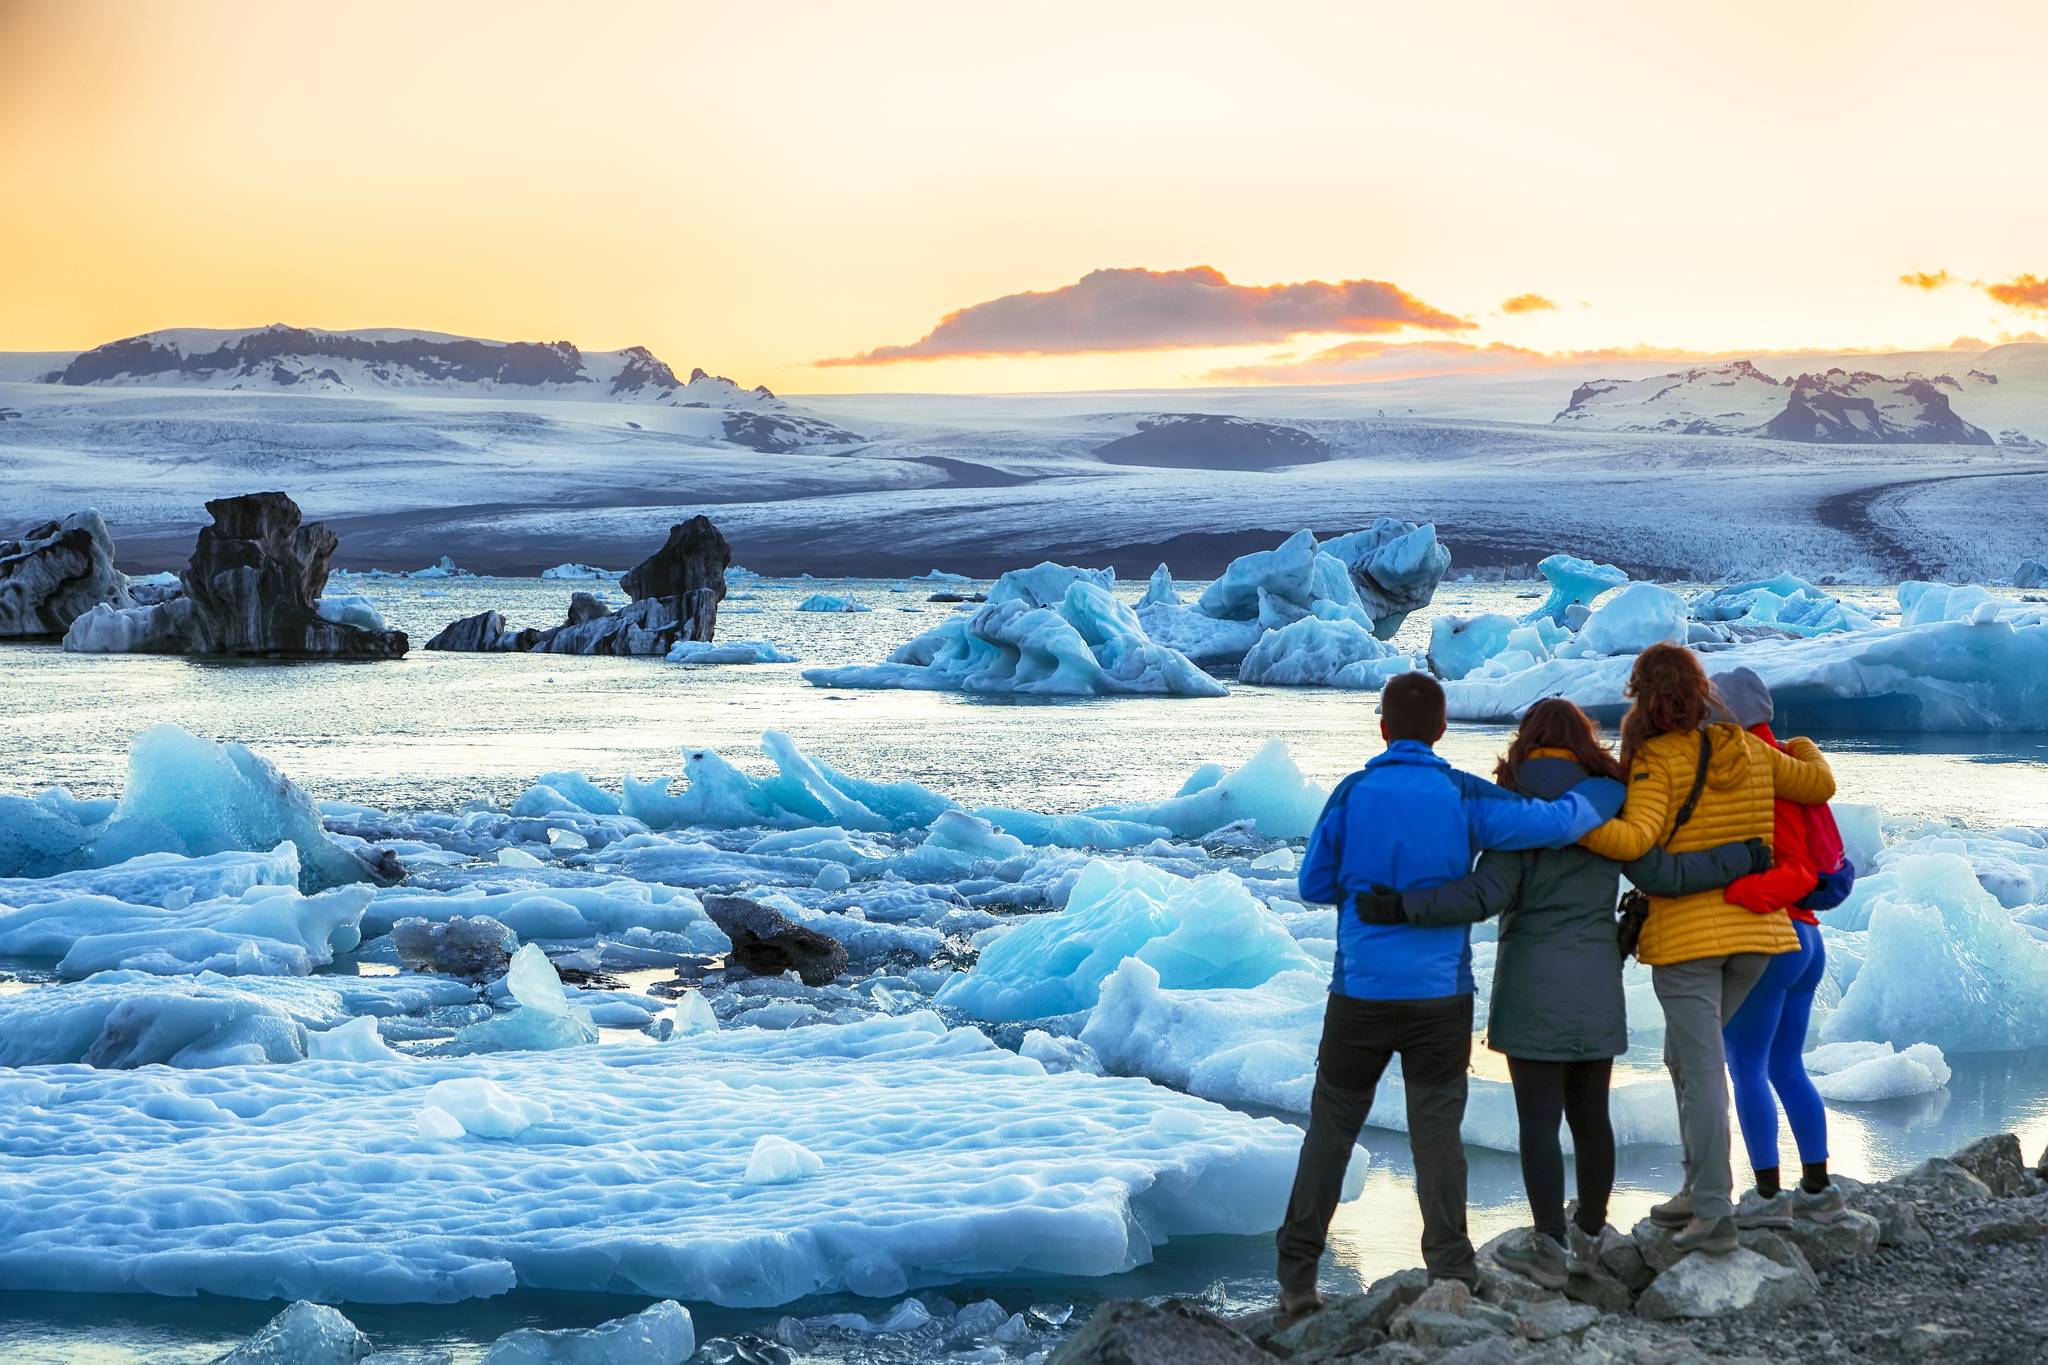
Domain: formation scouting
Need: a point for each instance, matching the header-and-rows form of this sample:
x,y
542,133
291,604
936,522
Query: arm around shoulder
x,y
1799,773
1481,894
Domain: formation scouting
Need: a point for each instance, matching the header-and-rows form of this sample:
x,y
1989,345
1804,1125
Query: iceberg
x,y
1395,566
1967,676
1319,652
169,881
778,1161
303,1334
728,652
186,796
1044,631
1573,582
1944,963
986,1167
1461,645
581,572
1269,792
1640,615
542,1017
827,602
1207,932
2032,573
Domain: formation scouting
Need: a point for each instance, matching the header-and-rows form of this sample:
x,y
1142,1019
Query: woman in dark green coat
x,y
1557,1010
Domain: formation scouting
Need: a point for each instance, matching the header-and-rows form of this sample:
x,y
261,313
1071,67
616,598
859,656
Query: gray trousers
x,y
1698,998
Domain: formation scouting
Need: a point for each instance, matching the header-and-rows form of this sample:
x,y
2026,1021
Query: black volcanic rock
x,y
56,573
676,592
767,942
252,588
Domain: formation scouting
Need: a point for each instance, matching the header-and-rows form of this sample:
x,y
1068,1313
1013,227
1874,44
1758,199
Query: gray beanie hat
x,y
1745,696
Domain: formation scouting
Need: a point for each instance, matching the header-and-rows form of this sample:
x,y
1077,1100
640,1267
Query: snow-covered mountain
x,y
1833,406
378,360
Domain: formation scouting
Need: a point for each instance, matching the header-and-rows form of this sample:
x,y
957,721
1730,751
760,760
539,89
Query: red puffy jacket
x,y
1792,873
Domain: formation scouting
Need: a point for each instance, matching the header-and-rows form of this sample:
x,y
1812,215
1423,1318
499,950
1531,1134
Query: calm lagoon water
x,y
440,730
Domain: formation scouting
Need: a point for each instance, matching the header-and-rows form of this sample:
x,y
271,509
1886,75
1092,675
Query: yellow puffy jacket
x,y
1744,776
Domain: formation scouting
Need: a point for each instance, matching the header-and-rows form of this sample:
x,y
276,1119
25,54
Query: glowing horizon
x,y
757,189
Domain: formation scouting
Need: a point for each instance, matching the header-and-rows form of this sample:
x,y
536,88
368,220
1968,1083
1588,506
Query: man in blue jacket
x,y
1406,820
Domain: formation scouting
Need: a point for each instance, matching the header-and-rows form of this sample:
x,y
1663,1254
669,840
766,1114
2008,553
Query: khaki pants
x,y
1698,998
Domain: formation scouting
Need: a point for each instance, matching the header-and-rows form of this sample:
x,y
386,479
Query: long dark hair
x,y
1669,694
1555,723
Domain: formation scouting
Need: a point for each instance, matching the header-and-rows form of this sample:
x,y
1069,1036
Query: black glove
x,y
1759,855
1381,906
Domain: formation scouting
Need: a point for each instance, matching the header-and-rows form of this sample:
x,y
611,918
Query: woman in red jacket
x,y
1765,1038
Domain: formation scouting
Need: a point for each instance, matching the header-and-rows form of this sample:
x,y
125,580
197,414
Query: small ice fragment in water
x,y
517,857
662,1335
482,1108
692,1015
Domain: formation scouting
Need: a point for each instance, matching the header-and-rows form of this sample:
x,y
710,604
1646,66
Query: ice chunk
x,y
267,930
1269,790
1640,615
303,1334
517,857
1055,1053
825,601
169,881
544,1018
477,947
2032,573
1395,567
1207,932
356,1041
1314,652
1787,602
728,652
778,1161
692,1015
1159,590
1458,645
145,1021
1861,1073
1923,604
188,796
351,609
661,1335
990,1168
1944,963
1084,643
1573,582
581,571
484,1108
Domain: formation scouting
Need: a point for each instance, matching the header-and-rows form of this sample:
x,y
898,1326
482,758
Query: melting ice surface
x,y
1021,931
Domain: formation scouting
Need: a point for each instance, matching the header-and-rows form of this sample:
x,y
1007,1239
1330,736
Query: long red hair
x,y
1555,723
1669,694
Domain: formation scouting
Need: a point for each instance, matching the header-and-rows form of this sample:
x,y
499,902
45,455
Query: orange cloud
x,y
1921,279
1528,303
1153,310
2023,292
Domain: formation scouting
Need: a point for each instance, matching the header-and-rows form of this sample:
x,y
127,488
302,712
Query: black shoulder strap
x,y
1699,784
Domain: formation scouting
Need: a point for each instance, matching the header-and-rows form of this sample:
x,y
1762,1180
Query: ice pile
x,y
943,1158
1319,652
1786,603
1574,582
184,795
1863,1073
1978,673
1044,631
264,931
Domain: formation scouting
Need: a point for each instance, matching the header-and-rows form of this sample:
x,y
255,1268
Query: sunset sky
x,y
757,188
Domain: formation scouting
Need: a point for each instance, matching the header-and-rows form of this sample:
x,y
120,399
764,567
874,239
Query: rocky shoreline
x,y
1945,1262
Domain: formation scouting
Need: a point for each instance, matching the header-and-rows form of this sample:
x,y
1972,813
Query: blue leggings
x,y
1764,1041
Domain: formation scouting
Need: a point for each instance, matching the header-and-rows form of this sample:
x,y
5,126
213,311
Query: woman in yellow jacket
x,y
1704,953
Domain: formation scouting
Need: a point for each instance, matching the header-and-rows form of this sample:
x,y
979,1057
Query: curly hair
x,y
1555,723
1669,694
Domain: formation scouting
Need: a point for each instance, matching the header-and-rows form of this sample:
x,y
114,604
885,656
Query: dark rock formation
x,y
1129,1332
676,592
477,948
767,942
252,589
56,573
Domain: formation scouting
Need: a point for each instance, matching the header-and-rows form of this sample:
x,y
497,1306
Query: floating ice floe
x,y
184,795
1044,631
581,572
1863,1073
1979,674
944,1158
728,652
351,609
1632,620
1573,582
828,602
660,1335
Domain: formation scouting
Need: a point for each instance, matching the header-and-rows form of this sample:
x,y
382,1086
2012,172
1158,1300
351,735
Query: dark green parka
x,y
1557,977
